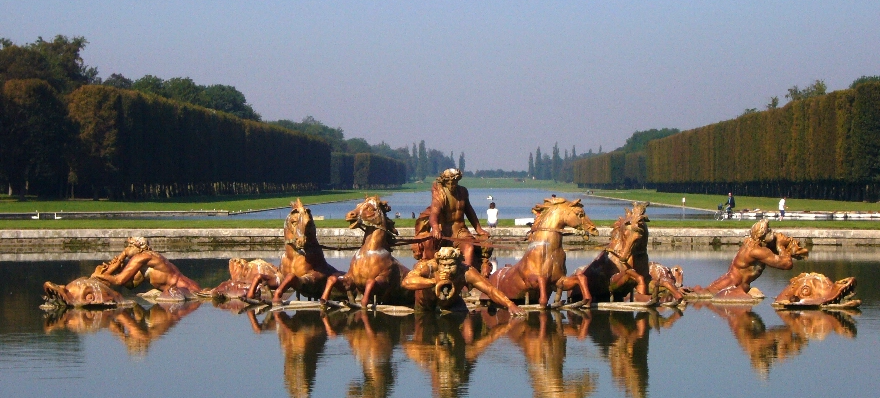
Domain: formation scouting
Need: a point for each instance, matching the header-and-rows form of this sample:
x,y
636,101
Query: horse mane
x,y
540,210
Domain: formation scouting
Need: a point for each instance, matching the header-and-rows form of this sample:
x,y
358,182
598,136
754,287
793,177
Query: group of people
x,y
731,204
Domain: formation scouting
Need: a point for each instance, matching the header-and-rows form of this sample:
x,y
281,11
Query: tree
x,y
118,81
422,169
150,84
555,163
531,165
357,145
539,168
864,79
182,89
227,99
816,89
461,162
774,103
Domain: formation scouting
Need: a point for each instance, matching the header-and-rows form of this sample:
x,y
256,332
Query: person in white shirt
x,y
782,208
492,215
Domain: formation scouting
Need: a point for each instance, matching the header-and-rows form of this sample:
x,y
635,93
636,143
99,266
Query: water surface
x,y
206,349
511,204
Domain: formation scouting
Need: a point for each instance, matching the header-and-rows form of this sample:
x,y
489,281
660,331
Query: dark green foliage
x,y
342,170
823,147
34,134
639,140
136,145
218,97
864,79
374,171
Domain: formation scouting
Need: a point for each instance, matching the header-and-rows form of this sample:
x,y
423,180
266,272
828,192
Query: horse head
x,y
627,232
372,213
299,227
558,213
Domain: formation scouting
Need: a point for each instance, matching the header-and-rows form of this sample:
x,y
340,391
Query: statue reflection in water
x,y
769,346
622,338
303,336
136,326
447,347
541,337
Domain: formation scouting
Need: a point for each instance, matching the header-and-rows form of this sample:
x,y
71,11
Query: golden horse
x,y
373,271
612,274
543,263
304,267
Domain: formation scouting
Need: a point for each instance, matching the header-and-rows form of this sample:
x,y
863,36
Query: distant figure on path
x,y
731,203
782,208
492,215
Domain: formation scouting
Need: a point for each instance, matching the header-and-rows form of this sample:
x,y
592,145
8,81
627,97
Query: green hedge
x,y
132,144
825,147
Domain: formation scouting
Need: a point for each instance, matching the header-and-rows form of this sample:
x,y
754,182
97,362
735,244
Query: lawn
x,y
236,203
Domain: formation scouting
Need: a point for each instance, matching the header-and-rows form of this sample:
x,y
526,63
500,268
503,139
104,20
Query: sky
x,y
492,79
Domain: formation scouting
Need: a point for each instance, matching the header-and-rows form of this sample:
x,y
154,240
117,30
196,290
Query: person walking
x,y
731,203
782,208
492,216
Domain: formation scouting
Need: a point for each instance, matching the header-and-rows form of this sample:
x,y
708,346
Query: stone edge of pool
x,y
17,241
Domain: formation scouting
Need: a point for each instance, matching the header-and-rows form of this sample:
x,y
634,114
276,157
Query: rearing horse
x,y
613,273
543,263
303,265
373,270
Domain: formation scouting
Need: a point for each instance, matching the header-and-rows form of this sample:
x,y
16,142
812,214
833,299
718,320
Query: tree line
x,y
65,133
818,146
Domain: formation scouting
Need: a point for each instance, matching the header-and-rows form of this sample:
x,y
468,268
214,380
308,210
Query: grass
x,y
236,203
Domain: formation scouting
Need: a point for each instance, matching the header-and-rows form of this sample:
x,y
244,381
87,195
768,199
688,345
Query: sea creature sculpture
x,y
814,290
82,292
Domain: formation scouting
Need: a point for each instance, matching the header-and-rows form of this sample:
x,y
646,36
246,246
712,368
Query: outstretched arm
x,y
482,284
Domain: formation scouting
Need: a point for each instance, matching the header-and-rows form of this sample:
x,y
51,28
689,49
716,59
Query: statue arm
x,y
417,279
482,284
127,273
766,256
470,213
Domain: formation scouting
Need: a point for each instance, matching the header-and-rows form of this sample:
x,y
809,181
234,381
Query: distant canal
x,y
512,203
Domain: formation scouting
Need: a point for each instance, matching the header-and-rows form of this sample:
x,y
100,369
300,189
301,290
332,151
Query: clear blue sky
x,y
495,79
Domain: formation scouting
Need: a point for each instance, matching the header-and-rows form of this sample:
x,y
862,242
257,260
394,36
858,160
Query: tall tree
x,y
422,170
461,162
531,165
555,163
539,168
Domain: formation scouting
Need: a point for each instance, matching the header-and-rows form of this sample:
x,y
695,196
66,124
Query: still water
x,y
200,349
511,204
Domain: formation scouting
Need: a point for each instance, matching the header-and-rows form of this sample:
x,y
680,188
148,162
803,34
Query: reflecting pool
x,y
205,349
512,203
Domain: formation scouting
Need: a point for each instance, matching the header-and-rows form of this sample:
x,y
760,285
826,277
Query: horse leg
x,y
285,284
585,291
543,292
337,281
